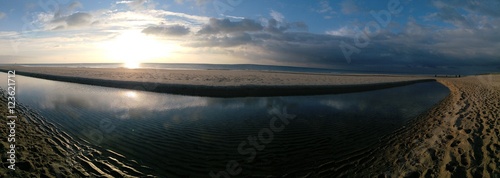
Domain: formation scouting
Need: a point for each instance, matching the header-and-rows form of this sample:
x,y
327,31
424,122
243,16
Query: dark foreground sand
x,y
42,150
457,138
35,154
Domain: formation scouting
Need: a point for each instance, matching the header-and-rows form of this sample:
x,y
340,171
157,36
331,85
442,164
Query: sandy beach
x,y
36,154
219,83
43,150
459,137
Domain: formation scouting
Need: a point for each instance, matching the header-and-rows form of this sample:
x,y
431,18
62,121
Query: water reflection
x,y
181,136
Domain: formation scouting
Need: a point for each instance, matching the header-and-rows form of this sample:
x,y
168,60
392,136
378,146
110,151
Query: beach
x,y
43,150
219,83
36,153
458,137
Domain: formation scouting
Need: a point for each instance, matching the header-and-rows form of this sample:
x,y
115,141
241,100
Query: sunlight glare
x,y
133,47
131,65
131,94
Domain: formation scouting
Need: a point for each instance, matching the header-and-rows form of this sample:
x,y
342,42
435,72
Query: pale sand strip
x,y
219,83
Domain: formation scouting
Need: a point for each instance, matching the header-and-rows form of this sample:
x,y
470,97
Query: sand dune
x,y
218,83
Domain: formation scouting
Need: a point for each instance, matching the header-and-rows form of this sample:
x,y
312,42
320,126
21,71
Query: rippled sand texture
x,y
459,138
42,150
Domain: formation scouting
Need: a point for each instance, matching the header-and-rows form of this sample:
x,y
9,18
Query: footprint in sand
x,y
489,80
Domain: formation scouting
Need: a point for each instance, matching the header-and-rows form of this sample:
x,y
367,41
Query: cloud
x,y
68,9
78,19
274,26
198,2
123,2
74,20
325,7
416,47
349,7
450,15
277,16
226,26
133,4
173,30
228,40
485,7
64,17
466,14
2,15
226,33
74,5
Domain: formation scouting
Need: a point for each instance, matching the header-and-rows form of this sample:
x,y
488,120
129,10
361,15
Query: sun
x,y
133,48
132,65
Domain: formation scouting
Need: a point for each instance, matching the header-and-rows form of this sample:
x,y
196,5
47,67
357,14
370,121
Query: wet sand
x,y
219,83
42,150
36,155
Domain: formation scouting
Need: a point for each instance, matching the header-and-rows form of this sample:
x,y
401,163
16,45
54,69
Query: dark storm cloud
x,y
416,46
228,40
173,30
274,26
215,26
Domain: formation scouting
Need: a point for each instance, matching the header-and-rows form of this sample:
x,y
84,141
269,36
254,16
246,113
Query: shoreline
x,y
458,137
215,83
42,149
36,152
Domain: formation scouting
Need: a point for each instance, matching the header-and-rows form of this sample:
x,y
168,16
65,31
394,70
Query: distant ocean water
x,y
197,67
346,69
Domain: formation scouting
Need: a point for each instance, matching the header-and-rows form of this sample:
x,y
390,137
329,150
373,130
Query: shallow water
x,y
184,136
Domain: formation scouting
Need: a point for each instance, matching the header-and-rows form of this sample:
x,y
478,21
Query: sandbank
x,y
219,83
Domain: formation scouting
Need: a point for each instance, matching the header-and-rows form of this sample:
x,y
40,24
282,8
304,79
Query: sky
x,y
431,35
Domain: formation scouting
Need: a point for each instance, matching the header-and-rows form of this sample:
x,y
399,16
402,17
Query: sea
x,y
349,69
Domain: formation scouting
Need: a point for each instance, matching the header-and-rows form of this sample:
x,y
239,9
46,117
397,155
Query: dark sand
x,y
42,150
